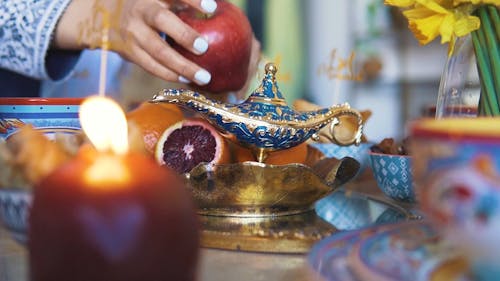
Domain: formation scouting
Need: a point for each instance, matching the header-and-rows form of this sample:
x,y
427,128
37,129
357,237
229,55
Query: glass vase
x,y
459,88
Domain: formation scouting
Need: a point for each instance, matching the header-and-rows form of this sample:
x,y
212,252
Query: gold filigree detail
x,y
338,68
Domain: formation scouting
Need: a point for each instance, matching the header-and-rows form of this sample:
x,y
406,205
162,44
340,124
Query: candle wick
x,y
104,59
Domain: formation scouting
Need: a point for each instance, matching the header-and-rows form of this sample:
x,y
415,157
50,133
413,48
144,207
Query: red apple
x,y
229,37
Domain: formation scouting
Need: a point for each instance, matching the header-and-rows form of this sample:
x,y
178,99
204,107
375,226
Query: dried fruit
x,y
190,142
390,146
35,155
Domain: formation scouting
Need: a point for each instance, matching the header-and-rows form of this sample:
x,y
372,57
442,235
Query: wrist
x,y
74,28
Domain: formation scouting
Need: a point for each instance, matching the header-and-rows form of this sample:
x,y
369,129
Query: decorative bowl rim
x,y
380,154
223,197
423,128
41,101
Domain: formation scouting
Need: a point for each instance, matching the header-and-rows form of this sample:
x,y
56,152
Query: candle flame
x,y
108,169
105,124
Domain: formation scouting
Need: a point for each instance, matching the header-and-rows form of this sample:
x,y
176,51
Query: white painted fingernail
x,y
200,45
208,6
184,80
202,77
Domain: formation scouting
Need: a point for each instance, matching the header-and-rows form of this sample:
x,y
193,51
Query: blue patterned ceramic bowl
x,y
358,152
393,174
15,204
458,177
50,115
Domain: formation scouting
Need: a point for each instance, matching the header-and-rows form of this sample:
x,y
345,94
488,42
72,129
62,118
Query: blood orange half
x,y
189,142
153,119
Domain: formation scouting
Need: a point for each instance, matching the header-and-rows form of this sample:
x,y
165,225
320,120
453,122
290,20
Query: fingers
x,y
152,52
166,21
204,6
159,50
151,65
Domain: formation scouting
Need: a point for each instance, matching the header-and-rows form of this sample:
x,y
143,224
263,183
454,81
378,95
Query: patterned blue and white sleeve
x,y
26,27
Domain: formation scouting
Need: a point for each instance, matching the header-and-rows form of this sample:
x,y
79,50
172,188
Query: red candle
x,y
112,215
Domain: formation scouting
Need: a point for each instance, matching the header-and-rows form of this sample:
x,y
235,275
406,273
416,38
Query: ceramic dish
x,y
408,252
328,259
457,172
394,176
401,251
48,114
14,211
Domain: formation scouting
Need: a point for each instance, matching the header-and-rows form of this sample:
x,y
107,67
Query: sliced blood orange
x,y
190,142
153,119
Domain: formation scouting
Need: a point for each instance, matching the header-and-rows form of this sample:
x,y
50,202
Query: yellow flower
x,y
429,18
400,3
476,2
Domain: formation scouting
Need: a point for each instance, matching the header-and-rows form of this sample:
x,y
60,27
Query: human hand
x,y
132,29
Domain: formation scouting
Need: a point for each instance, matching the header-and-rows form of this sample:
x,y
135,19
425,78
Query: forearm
x,y
27,28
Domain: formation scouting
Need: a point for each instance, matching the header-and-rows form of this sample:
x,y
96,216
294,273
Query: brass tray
x,y
295,234
253,189
252,206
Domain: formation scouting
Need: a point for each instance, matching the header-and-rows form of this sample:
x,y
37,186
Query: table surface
x,y
215,265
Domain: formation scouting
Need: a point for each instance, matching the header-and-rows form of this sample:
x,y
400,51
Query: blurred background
x,y
355,51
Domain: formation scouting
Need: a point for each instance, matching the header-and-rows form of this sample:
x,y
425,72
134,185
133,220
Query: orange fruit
x,y
296,154
240,153
190,142
153,119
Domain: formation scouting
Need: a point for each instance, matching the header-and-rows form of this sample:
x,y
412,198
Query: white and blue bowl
x,y
15,205
358,152
394,177
50,115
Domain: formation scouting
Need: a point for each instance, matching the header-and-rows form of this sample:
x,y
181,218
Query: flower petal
x,y
449,18
434,6
418,13
475,2
400,3
466,25
426,29
446,28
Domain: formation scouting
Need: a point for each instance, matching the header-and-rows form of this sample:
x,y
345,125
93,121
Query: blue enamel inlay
x,y
39,108
12,117
264,104
37,115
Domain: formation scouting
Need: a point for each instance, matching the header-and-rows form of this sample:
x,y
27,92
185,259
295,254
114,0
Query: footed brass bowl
x,y
253,189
